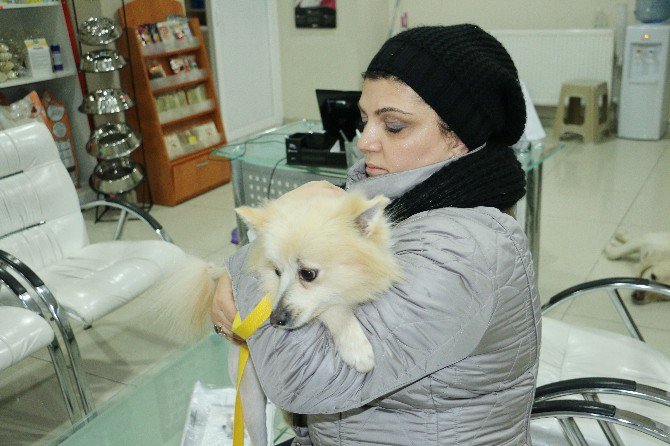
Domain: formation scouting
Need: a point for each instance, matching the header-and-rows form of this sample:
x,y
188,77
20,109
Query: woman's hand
x,y
223,309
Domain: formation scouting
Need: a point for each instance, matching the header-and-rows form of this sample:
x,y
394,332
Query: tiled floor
x,y
588,192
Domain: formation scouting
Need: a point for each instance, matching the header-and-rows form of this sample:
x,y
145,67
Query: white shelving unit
x,y
48,20
31,80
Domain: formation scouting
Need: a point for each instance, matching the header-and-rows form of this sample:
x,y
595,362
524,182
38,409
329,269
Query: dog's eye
x,y
653,277
308,274
277,272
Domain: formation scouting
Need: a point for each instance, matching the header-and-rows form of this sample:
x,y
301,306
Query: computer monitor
x,y
339,112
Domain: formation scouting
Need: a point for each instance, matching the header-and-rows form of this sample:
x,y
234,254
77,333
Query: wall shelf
x,y
178,81
27,5
159,50
31,80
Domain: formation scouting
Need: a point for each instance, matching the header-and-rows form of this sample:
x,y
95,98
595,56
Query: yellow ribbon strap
x,y
244,329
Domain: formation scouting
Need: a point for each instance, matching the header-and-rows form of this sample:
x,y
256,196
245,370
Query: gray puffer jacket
x,y
456,343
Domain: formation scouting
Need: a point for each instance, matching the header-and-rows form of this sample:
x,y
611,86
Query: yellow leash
x,y
244,329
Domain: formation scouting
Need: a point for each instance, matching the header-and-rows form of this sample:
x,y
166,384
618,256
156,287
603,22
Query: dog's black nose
x,y
279,317
638,297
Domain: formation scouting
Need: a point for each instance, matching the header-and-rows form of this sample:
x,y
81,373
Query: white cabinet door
x,y
244,49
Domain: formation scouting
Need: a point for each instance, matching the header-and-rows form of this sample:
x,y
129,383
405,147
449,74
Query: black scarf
x,y
490,177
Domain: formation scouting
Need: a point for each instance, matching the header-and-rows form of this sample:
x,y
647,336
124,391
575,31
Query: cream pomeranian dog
x,y
318,257
652,251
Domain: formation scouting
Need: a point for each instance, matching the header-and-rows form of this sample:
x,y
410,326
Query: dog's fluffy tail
x,y
182,301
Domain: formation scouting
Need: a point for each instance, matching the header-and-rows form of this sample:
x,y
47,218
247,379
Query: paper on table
x,y
209,420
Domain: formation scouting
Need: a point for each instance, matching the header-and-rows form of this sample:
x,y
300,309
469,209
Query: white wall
x,y
316,58
513,14
327,58
334,58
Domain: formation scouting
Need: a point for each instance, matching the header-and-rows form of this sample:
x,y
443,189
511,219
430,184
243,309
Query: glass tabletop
x,y
268,149
153,411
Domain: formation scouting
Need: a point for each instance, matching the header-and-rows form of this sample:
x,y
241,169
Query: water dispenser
x,y
643,106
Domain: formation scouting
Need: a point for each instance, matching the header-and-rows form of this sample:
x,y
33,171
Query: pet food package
x,y
209,421
38,57
173,145
206,133
56,118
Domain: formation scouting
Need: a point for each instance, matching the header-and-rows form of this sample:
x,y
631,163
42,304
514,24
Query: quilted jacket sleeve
x,y
435,317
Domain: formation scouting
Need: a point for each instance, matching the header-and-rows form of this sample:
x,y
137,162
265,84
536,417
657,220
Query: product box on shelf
x,y
38,57
170,35
196,138
56,118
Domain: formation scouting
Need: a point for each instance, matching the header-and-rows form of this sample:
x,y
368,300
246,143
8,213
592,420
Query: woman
x,y
456,344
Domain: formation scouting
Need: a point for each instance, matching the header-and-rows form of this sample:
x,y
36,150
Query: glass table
x,y
153,410
259,171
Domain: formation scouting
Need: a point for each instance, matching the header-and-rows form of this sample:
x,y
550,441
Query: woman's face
x,y
401,131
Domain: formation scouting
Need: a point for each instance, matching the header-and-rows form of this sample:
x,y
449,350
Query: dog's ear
x,y
254,217
373,211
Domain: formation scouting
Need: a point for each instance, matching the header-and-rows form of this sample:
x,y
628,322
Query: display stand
x,y
174,175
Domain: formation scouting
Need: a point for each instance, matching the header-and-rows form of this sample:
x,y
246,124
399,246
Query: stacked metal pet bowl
x,y
113,142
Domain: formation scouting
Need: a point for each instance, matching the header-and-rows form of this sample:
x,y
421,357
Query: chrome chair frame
x,y
58,316
589,388
547,401
126,209
61,321
58,359
565,411
612,286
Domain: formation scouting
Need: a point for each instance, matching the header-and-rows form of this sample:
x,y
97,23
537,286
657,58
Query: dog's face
x,y
655,270
317,252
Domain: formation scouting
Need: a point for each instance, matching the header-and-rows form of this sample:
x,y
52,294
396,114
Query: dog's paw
x,y
621,235
611,251
359,355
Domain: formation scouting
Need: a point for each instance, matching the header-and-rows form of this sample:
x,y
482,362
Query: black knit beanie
x,y
465,75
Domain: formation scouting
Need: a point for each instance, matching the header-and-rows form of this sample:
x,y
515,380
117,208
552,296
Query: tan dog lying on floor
x,y
318,257
653,253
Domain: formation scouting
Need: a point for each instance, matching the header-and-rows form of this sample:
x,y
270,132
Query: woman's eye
x,y
308,275
394,128
277,272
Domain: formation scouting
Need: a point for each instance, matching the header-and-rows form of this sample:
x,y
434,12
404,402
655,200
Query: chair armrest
x,y
133,210
572,408
612,285
602,385
20,292
631,283
603,413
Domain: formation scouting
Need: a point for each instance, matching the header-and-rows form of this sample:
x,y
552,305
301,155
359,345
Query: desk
x,y
259,171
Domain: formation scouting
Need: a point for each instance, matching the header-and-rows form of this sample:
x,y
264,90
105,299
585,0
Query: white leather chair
x,y
606,377
43,241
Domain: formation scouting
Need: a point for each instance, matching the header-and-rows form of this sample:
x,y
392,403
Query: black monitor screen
x,y
339,111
